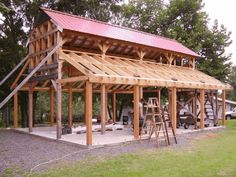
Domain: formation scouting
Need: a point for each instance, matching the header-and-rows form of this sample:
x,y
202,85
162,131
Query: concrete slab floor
x,y
109,138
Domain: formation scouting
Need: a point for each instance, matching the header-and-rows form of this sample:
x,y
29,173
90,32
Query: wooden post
x,y
52,107
136,112
30,109
174,108
88,112
170,103
195,111
16,110
114,106
202,99
103,108
70,111
106,106
159,96
141,92
217,116
59,101
223,107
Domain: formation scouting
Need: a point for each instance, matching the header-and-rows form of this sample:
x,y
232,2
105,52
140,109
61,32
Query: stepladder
x,y
168,125
153,121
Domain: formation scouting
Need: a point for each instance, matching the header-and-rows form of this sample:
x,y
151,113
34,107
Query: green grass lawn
x,y
213,155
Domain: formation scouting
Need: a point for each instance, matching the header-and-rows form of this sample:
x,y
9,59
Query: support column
x,y
195,111
114,107
106,106
16,110
30,109
88,112
217,116
136,112
170,103
103,108
59,101
70,111
174,108
202,99
159,96
223,107
52,106
141,92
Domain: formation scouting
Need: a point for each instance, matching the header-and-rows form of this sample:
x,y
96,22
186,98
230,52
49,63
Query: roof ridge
x,y
105,23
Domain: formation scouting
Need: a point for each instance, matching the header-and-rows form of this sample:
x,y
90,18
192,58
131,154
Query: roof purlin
x,y
137,78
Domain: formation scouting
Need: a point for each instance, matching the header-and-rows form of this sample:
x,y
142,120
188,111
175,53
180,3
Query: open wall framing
x,y
62,59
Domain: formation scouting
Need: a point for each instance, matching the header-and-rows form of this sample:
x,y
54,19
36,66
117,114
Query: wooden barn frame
x,y
69,53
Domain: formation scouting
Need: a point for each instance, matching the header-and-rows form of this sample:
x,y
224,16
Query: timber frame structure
x,y
69,53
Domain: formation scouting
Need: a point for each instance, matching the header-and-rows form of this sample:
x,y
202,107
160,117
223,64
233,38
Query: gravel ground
x,y
23,152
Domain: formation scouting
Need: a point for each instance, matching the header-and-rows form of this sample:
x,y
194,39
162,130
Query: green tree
x,y
186,22
232,81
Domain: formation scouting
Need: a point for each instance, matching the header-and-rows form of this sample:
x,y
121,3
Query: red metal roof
x,y
89,26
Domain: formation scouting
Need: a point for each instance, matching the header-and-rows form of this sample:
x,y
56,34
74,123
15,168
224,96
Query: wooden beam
x,y
170,104
70,107
223,107
141,92
16,110
88,112
12,71
159,96
103,108
174,108
217,116
59,101
202,100
28,77
30,109
114,107
73,79
195,111
136,111
20,74
52,106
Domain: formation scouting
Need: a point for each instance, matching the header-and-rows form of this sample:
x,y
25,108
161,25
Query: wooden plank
x,y
174,109
103,108
16,110
202,100
78,66
114,107
14,69
52,92
70,107
30,109
223,107
136,111
88,112
72,79
28,77
20,74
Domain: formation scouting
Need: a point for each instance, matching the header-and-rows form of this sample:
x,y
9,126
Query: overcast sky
x,y
224,11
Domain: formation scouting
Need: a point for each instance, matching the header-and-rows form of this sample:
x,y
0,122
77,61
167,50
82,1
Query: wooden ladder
x,y
153,119
168,123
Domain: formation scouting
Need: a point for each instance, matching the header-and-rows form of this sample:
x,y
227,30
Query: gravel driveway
x,y
23,151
